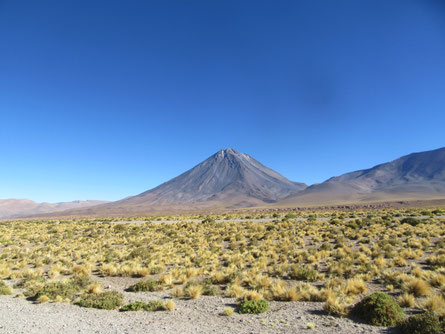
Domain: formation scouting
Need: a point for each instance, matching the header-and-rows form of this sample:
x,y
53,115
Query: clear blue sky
x,y
106,99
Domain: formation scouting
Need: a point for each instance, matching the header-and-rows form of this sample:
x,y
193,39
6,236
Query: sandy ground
x,y
203,315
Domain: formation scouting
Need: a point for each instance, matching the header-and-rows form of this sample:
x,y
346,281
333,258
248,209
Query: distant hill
x,y
414,176
10,208
227,179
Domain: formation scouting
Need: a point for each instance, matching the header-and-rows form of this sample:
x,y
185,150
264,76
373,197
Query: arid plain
x,y
238,273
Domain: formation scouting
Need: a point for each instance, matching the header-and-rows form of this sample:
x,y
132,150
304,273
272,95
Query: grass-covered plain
x,y
334,257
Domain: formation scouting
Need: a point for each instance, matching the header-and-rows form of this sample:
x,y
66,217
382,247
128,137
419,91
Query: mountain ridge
x,y
232,180
415,175
13,208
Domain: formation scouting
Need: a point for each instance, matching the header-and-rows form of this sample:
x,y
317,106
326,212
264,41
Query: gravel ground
x,y
202,315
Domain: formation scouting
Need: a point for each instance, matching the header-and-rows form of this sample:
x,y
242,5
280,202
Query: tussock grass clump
x,y
235,290
438,281
355,286
220,278
58,299
334,306
43,299
406,300
167,279
177,292
148,285
78,270
436,261
435,303
207,289
253,306
379,309
290,295
194,291
94,288
109,300
170,305
418,287
228,311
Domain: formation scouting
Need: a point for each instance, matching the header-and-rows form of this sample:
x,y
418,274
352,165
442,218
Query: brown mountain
x,y
10,208
414,176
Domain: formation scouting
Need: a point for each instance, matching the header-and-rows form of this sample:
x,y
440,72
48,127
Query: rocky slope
x,y
414,176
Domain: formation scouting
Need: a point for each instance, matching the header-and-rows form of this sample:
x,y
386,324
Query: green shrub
x,y
155,305
253,306
425,323
109,300
141,252
52,290
119,228
411,221
4,290
134,306
379,309
208,289
208,220
25,282
148,285
303,273
80,282
31,285
156,270
63,289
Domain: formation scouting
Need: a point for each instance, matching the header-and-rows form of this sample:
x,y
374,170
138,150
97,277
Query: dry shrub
x,y
435,303
251,295
438,281
355,286
194,291
94,288
418,287
406,300
170,305
335,306
177,292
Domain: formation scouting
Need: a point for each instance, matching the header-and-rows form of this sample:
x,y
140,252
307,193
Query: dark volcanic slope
x,y
226,179
417,175
224,175
227,176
